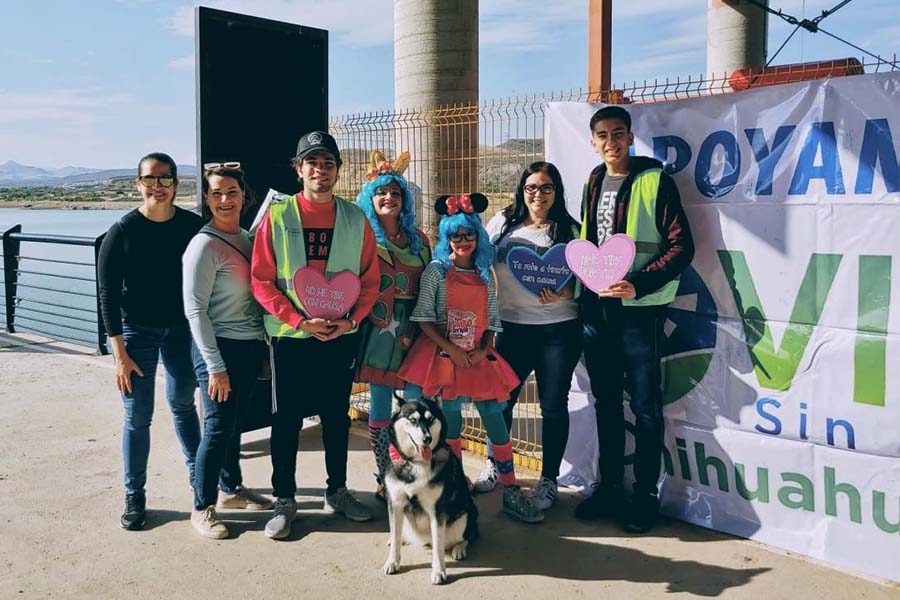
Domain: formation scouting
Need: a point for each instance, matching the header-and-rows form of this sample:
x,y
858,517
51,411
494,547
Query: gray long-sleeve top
x,y
218,301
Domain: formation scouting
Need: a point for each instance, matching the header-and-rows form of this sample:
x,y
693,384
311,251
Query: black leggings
x,y
551,351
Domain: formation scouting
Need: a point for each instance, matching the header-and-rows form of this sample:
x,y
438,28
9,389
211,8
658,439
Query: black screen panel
x,y
261,84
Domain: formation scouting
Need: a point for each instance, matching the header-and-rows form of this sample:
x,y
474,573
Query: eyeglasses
x,y
469,236
222,165
545,189
148,181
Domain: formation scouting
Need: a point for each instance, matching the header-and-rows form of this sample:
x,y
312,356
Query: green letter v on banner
x,y
775,369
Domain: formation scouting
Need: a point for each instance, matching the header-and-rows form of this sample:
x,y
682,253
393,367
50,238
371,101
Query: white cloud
x,y
648,9
519,25
684,44
73,107
359,23
182,63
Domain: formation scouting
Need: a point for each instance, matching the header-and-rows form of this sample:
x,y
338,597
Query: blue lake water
x,y
57,298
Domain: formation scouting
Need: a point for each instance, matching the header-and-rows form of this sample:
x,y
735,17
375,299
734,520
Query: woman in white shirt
x,y
541,333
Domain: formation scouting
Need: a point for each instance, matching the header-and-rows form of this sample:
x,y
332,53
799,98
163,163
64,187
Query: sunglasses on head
x,y
222,165
469,236
149,181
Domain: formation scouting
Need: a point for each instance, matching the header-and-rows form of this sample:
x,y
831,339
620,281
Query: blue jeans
x,y
145,346
550,350
622,347
218,457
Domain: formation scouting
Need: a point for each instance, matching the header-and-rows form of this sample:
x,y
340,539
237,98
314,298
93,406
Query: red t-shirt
x,y
318,229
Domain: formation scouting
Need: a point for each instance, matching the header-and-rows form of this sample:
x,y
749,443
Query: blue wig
x,y
407,216
484,253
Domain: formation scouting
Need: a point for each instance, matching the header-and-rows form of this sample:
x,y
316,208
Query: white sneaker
x,y
545,493
207,523
244,498
487,479
279,526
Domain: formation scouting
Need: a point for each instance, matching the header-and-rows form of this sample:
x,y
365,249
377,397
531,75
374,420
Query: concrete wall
x,y
436,64
735,37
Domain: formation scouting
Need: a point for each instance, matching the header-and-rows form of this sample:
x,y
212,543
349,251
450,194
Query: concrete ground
x,y
61,496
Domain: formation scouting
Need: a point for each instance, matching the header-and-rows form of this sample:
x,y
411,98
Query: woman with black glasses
x,y
541,331
229,348
139,268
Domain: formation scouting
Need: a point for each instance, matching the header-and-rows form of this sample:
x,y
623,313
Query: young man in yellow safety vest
x,y
313,358
623,325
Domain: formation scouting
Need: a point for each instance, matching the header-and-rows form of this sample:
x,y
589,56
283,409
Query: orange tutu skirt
x,y
490,379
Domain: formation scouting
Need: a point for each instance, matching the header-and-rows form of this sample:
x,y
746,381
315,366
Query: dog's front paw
x,y
438,576
391,567
458,552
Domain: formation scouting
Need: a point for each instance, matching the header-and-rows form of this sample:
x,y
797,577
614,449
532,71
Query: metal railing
x,y
52,296
484,147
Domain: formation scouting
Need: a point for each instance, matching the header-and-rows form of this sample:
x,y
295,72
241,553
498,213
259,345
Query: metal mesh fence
x,y
484,147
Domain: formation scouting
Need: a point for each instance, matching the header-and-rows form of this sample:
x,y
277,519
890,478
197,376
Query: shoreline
x,y
186,203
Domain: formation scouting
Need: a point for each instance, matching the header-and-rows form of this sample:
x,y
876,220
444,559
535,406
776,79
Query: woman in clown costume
x,y
454,358
387,333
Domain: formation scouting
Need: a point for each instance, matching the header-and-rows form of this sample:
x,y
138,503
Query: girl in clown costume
x,y
455,358
387,333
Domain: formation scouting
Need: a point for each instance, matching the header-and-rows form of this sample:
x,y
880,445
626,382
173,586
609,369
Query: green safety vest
x,y
641,227
290,252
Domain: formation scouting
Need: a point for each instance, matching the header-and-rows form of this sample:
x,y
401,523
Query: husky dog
x,y
428,498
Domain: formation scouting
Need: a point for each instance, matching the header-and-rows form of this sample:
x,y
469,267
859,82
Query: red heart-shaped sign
x,y
326,298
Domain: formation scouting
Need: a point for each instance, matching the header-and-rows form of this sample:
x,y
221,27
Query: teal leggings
x,y
491,414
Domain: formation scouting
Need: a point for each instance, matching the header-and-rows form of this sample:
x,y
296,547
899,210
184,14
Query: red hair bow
x,y
462,203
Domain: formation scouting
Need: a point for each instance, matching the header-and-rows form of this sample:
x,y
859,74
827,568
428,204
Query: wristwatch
x,y
352,323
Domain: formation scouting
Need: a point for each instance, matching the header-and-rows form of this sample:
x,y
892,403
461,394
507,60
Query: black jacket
x,y
671,222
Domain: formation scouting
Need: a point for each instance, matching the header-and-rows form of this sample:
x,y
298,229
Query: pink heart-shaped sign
x,y
598,268
326,298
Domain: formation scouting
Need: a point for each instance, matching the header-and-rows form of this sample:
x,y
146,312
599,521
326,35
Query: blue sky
x,y
98,83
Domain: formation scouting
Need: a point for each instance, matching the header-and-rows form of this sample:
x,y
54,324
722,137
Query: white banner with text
x,y
782,386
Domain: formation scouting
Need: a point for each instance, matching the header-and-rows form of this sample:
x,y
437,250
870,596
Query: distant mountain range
x,y
13,174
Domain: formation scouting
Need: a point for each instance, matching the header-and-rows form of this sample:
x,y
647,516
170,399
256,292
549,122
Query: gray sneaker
x,y
344,501
279,526
519,505
545,493
487,479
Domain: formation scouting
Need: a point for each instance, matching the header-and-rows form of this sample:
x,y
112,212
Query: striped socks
x,y
503,458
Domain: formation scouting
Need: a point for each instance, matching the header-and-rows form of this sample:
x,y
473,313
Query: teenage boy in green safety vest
x,y
312,358
623,325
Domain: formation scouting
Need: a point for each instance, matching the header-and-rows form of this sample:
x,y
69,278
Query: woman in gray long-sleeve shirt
x,y
229,348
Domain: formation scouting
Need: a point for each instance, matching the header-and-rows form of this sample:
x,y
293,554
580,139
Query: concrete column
x,y
735,37
436,65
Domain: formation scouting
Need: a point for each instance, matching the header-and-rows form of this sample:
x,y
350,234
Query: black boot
x,y
642,513
135,511
607,501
